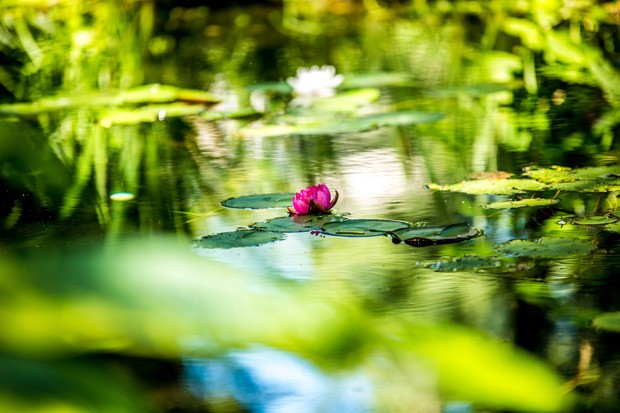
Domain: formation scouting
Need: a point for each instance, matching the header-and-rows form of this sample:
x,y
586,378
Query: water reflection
x,y
270,381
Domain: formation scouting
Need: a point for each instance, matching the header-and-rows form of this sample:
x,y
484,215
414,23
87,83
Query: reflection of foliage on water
x,y
514,79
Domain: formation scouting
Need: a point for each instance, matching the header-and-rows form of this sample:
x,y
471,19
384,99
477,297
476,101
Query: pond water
x,y
488,130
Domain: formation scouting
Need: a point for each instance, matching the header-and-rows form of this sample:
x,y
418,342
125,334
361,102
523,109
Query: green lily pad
x,y
332,125
150,113
591,179
551,175
381,79
595,220
474,263
155,93
594,186
545,247
296,223
362,227
534,202
239,238
608,322
480,89
491,186
260,201
241,113
435,235
401,118
346,101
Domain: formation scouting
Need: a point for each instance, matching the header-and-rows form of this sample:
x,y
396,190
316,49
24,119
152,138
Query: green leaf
x,y
260,201
148,114
38,386
481,89
330,126
435,235
471,263
239,238
595,220
362,227
491,186
546,247
470,366
155,93
608,322
533,202
295,223
381,79
346,101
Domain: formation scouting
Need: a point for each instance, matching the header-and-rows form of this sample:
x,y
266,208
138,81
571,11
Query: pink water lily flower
x,y
315,199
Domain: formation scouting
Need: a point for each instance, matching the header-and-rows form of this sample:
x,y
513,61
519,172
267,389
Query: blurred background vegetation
x,y
101,301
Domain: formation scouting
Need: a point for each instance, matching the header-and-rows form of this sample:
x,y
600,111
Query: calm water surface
x,y
310,323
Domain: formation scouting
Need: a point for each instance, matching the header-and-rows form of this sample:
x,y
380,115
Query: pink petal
x,y
323,197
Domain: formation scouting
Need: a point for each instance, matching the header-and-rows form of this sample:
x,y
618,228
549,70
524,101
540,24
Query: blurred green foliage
x,y
515,79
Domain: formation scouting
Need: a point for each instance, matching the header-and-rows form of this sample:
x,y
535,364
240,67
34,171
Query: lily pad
x,y
551,175
346,101
534,202
594,186
296,223
474,263
149,113
435,235
480,89
608,322
595,220
333,125
154,93
591,179
491,186
363,227
260,201
546,247
394,79
239,238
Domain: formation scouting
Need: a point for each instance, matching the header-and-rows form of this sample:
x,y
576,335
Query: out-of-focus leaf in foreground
x,y
158,299
68,387
470,366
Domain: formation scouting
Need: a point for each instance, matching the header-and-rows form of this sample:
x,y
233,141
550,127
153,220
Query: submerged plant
x,y
316,82
315,199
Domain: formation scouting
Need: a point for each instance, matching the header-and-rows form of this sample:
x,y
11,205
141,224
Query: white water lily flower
x,y
315,82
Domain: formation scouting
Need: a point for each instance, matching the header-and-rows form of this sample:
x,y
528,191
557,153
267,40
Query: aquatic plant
x,y
315,82
315,199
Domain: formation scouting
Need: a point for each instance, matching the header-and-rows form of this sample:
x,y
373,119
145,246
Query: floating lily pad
x,y
492,186
597,185
591,179
467,263
534,202
155,93
260,201
594,220
545,247
296,223
608,322
401,118
435,235
480,89
346,101
394,79
363,227
241,113
551,175
239,238
150,113
332,125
